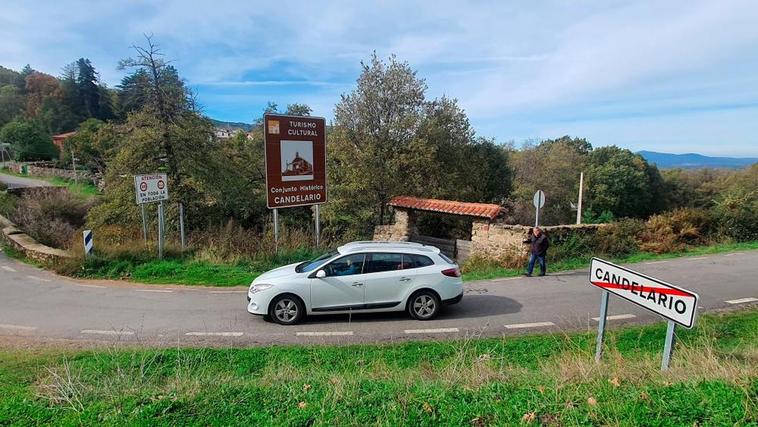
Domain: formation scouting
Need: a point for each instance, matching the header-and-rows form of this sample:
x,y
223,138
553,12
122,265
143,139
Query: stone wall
x,y
37,170
28,246
402,229
495,240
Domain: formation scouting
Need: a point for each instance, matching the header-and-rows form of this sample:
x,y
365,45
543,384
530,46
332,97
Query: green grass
x,y
582,262
181,270
549,379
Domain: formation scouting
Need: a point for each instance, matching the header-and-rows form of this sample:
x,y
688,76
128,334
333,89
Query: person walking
x,y
538,252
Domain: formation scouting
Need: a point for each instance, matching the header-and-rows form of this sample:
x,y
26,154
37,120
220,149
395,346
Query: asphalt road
x,y
35,304
12,181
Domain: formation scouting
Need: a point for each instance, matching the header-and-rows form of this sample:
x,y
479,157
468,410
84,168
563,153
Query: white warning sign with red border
x,y
665,299
151,188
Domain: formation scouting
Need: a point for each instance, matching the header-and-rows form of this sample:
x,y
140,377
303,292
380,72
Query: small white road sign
x,y
539,199
151,188
669,301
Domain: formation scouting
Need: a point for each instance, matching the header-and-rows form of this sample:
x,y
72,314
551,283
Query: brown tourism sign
x,y
295,149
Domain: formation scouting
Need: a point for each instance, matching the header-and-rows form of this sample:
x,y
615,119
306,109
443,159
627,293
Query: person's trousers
x,y
537,258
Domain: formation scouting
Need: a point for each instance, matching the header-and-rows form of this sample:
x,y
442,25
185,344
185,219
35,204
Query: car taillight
x,y
452,272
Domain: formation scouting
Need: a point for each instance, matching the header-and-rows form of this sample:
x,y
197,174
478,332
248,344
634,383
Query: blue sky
x,y
676,76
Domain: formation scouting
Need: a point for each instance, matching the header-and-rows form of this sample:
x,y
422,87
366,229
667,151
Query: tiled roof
x,y
483,210
64,135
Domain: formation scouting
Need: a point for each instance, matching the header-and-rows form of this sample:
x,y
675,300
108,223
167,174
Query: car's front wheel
x,y
424,305
286,310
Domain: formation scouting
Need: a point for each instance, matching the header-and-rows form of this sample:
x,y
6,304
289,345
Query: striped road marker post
x,y
88,244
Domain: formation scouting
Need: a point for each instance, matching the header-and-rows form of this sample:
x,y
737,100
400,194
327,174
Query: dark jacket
x,y
539,244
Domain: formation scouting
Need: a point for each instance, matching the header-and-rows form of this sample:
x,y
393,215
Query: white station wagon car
x,y
359,277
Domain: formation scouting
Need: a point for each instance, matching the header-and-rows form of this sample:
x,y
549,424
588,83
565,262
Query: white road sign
x,y
151,188
539,199
669,301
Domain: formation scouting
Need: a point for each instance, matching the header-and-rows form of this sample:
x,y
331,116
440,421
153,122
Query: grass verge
x,y
540,379
582,262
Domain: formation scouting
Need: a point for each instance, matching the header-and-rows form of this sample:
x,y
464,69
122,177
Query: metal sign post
x,y
318,224
676,304
601,325
539,201
668,347
276,230
144,223
160,230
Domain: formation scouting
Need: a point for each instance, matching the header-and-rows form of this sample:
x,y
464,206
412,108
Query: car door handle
x,y
357,284
405,279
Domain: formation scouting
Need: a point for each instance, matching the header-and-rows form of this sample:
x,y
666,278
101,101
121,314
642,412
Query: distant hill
x,y
692,160
232,125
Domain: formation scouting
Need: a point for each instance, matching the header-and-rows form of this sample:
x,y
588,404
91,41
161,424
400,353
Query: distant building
x,y
58,140
224,133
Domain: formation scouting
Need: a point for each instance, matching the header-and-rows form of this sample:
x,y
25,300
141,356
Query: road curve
x,y
38,305
13,182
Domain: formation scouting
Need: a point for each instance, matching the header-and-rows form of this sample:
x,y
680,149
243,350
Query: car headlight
x,y
260,287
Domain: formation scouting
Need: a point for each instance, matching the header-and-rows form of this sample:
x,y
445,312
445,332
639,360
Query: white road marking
x,y
161,291
18,327
324,334
227,292
529,325
730,254
431,331
103,332
741,300
214,334
616,317
655,262
89,286
38,278
11,269
698,258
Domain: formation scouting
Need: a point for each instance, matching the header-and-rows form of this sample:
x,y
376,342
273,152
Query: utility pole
x,y
73,165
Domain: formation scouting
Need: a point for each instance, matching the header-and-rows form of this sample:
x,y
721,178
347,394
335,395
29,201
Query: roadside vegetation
x,y
422,147
537,380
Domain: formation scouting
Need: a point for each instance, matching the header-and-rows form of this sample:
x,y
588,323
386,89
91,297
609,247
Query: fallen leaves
x,y
529,417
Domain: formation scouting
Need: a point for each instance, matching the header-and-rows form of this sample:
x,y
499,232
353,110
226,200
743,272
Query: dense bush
x,y
52,216
675,230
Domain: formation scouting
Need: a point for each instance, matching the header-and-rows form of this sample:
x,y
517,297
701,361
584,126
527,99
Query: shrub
x,y
51,216
675,230
736,216
619,238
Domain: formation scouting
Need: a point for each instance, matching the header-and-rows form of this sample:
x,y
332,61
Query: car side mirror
x,y
320,274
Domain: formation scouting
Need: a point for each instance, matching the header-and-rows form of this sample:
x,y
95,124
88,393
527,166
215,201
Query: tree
x,y
94,145
28,141
622,183
374,153
87,84
39,86
11,104
552,166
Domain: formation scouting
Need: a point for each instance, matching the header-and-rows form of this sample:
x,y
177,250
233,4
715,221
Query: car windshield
x,y
312,264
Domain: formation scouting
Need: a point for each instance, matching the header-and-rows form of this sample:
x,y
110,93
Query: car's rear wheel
x,y
424,305
286,310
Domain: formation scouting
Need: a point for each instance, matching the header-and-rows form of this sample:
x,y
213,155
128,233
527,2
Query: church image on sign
x,y
297,160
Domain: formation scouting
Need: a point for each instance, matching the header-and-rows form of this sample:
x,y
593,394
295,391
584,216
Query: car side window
x,y
346,266
416,261
378,262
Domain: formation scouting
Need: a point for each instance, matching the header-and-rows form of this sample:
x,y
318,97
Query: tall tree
x,y
39,86
374,150
28,141
87,84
